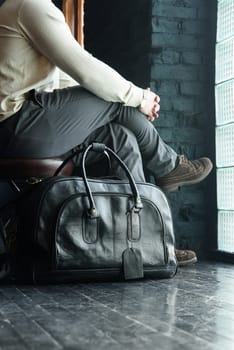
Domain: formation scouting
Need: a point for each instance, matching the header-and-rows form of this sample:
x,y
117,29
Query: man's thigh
x,y
50,124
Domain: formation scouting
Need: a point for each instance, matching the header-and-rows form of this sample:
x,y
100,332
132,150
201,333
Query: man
x,y
40,119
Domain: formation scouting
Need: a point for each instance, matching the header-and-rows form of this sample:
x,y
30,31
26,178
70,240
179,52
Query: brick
x,y
203,73
188,149
166,134
167,56
165,25
203,12
166,103
177,72
183,104
162,9
195,3
190,136
169,40
181,120
192,57
194,27
190,235
176,25
192,88
181,3
191,120
202,43
191,210
167,87
167,119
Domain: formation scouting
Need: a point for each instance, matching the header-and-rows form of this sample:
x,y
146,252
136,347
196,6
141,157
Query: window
x,y
74,13
224,97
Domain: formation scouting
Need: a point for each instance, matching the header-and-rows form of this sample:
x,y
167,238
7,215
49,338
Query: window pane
x,y
225,19
224,60
225,188
225,229
224,103
225,145
224,96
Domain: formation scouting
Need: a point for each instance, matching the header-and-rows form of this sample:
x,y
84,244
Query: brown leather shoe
x,y
185,257
187,172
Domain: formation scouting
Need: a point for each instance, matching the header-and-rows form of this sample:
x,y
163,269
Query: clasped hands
x,y
150,105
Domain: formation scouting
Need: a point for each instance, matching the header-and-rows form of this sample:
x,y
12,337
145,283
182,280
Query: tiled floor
x,y
195,310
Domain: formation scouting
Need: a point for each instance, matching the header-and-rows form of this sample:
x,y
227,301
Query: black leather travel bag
x,y
81,229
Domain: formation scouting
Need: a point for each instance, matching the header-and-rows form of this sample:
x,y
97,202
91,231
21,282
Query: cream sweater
x,y
34,42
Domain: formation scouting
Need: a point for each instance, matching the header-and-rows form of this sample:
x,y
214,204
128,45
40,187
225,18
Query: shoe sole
x,y
187,262
174,187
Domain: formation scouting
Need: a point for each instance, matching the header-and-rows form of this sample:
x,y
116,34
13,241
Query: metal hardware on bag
x,y
139,204
16,187
33,180
98,147
101,148
92,213
136,210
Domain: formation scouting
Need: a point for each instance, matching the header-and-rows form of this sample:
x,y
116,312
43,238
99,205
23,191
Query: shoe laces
x,y
183,159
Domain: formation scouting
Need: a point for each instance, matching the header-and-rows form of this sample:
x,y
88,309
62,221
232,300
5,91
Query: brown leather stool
x,y
22,168
16,173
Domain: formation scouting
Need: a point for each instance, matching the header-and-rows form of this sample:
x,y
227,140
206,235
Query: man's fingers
x,y
157,108
157,99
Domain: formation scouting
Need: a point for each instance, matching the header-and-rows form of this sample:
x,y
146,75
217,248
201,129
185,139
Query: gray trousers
x,y
52,124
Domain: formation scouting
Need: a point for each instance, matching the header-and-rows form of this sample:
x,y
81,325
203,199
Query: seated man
x,y
38,119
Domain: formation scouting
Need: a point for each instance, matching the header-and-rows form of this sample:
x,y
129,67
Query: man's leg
x,y
50,124
169,169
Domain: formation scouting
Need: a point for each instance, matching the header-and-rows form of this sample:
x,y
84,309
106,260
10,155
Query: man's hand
x,y
150,105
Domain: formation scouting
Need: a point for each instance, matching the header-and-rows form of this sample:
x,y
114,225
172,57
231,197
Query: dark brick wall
x,y
182,59
168,45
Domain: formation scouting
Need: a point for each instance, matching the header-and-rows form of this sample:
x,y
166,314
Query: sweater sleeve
x,y
43,24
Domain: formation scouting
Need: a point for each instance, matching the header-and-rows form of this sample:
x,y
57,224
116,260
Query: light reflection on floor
x,y
194,310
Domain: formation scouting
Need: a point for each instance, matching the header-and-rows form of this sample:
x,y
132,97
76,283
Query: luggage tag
x,y
132,264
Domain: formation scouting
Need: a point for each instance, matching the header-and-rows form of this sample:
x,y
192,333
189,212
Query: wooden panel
x,y
74,13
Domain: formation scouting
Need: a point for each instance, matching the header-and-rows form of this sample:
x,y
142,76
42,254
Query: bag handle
x,y
96,147
99,147
71,156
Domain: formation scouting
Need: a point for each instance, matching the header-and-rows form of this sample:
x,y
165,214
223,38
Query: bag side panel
x,y
76,247
43,216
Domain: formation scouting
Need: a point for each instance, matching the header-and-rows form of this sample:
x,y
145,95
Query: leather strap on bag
x,y
103,148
